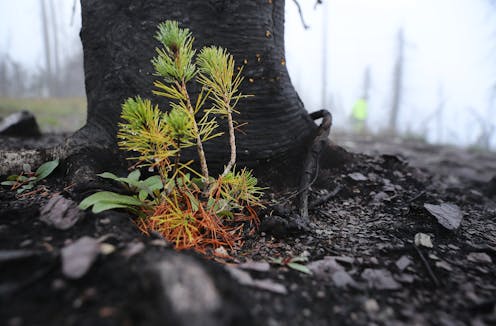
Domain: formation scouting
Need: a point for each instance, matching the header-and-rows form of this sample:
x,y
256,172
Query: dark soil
x,y
367,227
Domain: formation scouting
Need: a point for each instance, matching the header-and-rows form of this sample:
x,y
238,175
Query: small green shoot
x,y
28,179
105,200
293,263
146,191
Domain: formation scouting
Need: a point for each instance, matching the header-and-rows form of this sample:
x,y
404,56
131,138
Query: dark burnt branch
x,y
318,2
428,268
300,11
311,163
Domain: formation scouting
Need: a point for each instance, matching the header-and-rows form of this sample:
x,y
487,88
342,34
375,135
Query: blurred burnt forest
x,y
18,81
60,75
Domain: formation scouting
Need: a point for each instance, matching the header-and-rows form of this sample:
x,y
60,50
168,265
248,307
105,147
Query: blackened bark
x,y
118,45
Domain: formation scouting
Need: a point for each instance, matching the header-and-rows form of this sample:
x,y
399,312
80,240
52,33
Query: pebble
x,y
371,306
444,265
25,243
403,263
479,257
424,240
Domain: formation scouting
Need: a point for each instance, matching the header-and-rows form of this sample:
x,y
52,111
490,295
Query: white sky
x,y
450,48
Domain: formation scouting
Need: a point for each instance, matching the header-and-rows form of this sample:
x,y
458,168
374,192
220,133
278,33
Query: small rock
x,y
343,259
320,294
444,265
380,279
188,289
20,124
405,278
324,269
371,306
78,257
380,197
433,257
133,248
357,176
342,279
479,257
221,252
258,266
106,248
60,212
159,243
403,263
452,246
448,215
244,278
26,243
424,240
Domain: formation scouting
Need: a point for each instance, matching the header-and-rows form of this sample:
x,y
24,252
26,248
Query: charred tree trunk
x,y
118,45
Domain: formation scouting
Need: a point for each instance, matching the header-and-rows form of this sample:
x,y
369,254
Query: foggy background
x,y
431,62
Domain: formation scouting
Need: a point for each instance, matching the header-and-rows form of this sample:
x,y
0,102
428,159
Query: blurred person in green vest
x,y
359,115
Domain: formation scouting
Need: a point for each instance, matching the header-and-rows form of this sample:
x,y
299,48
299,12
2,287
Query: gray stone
x,y
187,291
20,124
78,257
60,212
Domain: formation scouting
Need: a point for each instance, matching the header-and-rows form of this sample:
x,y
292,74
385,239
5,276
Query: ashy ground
x,y
361,263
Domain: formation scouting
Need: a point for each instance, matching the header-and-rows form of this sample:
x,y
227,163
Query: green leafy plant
x,y
189,208
28,179
293,263
145,193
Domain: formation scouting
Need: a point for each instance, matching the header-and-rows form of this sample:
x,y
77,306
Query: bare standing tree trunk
x,y
55,48
47,48
366,84
397,83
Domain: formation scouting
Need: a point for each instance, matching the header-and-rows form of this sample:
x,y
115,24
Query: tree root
x,y
311,163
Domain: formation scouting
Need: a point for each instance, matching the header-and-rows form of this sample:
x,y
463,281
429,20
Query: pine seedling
x,y
174,64
190,209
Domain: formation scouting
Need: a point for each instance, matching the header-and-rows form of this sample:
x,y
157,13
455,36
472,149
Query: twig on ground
x,y
324,198
433,277
417,196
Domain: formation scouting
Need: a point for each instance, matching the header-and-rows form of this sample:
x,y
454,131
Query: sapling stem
x,y
199,145
232,143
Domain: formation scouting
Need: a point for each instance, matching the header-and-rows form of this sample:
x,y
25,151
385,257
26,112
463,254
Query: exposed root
x,y
311,163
